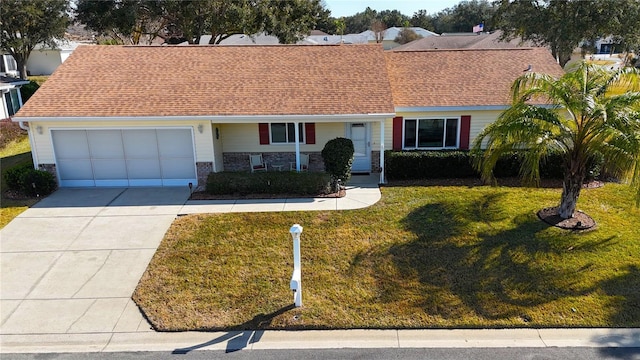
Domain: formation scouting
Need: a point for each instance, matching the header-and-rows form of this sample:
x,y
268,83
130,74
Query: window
x,y
430,133
13,104
283,133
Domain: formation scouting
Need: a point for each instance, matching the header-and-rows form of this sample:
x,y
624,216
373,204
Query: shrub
x,y
409,165
12,175
244,183
30,181
28,90
338,157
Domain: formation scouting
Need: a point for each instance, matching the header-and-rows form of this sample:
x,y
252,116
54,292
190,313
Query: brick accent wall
x,y
51,169
203,170
239,161
375,161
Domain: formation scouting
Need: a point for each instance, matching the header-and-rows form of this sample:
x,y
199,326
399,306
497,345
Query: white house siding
x,y
44,62
216,136
44,146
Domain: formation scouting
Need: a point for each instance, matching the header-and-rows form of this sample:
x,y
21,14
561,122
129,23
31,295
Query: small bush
x,y
30,181
28,90
13,175
291,183
338,157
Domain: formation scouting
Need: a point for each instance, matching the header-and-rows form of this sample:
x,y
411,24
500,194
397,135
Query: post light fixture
x,y
296,278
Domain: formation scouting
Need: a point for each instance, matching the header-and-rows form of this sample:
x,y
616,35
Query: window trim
x,y
302,128
444,134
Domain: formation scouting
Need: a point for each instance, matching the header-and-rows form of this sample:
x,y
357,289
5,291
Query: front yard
x,y
13,154
423,257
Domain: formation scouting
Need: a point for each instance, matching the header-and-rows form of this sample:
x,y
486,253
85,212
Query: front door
x,y
360,134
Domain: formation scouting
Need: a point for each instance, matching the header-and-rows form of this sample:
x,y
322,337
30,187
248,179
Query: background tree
x,y
421,18
563,25
406,35
124,21
594,112
464,16
379,29
291,20
27,23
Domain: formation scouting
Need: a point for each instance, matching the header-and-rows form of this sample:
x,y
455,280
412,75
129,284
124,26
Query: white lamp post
x,y
296,278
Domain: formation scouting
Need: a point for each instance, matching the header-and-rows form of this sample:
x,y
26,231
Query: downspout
x,y
34,157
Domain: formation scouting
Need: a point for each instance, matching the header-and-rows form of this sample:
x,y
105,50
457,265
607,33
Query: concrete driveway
x,y
71,263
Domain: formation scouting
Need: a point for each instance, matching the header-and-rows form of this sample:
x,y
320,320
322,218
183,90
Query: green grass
x,y
17,152
423,257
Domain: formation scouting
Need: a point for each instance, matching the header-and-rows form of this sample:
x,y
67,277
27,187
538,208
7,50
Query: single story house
x,y
44,60
163,115
390,34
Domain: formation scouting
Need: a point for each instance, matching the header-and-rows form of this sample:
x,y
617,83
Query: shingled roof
x,y
131,81
462,77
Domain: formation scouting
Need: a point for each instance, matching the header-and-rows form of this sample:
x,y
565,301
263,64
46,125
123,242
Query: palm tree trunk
x,y
570,191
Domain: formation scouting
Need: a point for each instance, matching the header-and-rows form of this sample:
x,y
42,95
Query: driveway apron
x,y
71,263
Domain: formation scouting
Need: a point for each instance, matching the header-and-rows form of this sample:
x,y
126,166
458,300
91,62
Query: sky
x,y
407,7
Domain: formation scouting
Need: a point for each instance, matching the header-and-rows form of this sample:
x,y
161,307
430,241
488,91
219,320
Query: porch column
x,y
382,151
297,132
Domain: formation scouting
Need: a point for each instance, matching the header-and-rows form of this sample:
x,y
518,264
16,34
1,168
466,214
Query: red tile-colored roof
x,y
462,77
129,81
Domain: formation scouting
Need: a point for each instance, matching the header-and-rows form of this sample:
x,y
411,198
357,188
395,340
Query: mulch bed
x,y
579,221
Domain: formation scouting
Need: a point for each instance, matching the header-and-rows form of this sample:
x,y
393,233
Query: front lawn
x,y
423,257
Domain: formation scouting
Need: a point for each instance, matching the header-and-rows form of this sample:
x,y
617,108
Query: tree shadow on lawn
x,y
241,338
487,273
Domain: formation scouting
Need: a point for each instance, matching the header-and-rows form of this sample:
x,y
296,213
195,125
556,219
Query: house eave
x,y
406,109
218,118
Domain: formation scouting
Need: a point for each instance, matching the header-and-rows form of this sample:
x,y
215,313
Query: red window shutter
x,y
310,133
263,131
465,129
397,133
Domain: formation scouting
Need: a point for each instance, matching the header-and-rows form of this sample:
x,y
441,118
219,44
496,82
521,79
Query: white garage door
x,y
118,157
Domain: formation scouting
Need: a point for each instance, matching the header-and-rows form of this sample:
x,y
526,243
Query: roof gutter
x,y
219,118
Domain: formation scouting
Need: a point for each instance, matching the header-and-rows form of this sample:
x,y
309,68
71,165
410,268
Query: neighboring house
x,y
390,35
334,39
175,114
10,84
242,39
44,60
11,98
463,41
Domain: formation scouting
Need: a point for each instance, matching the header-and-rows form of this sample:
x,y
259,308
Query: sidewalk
x,y
184,342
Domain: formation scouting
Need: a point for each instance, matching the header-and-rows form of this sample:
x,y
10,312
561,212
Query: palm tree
x,y
589,111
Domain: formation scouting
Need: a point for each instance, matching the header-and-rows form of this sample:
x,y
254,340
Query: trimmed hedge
x,y
244,183
411,165
30,181
337,155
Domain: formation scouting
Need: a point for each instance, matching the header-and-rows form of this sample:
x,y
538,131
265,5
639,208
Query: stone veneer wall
x,y
239,161
203,170
375,161
51,169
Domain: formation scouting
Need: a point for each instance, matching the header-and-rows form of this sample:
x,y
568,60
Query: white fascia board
x,y
220,118
405,109
449,108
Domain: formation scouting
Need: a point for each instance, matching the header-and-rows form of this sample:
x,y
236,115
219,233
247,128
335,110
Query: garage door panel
x,y
171,143
106,144
177,168
143,168
76,169
71,144
140,144
109,169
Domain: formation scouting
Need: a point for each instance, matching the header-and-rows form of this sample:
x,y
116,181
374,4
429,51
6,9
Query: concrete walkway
x,y
71,263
